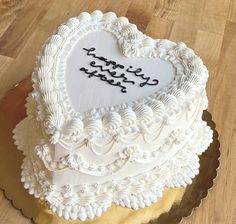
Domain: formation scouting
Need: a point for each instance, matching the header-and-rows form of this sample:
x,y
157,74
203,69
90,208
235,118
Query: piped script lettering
x,y
110,71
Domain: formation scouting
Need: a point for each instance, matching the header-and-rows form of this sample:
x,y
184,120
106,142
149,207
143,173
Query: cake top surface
x,y
98,69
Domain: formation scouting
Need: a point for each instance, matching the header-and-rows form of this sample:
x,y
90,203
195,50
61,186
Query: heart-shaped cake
x,y
116,117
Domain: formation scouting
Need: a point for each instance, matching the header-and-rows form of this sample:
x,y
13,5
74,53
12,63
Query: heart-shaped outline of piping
x,y
53,104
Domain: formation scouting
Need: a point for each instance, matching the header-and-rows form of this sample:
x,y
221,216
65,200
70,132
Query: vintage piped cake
x,y
115,117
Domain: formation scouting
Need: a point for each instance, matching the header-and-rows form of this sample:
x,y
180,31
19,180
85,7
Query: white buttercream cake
x,y
114,117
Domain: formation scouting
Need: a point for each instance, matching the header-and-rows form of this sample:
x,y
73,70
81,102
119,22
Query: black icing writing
x,y
104,78
112,73
107,61
136,72
114,65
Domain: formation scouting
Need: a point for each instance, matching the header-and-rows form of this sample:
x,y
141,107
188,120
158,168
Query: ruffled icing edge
x,y
176,172
53,106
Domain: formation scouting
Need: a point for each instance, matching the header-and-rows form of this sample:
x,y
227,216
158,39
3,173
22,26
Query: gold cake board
x,y
170,209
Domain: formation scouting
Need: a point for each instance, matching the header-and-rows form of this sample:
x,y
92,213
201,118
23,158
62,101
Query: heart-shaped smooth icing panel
x,y
98,74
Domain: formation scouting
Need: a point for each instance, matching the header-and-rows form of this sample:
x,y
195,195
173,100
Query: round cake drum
x,y
171,208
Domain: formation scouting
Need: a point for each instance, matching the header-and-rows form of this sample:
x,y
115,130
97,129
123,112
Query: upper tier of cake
x,y
98,73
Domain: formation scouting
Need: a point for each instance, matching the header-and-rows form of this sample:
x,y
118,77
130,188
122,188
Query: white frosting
x,y
93,145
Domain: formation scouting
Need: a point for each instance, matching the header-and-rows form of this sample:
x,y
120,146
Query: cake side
x,y
87,200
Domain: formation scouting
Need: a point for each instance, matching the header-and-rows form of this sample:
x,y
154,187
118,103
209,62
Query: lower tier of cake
x,y
90,200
